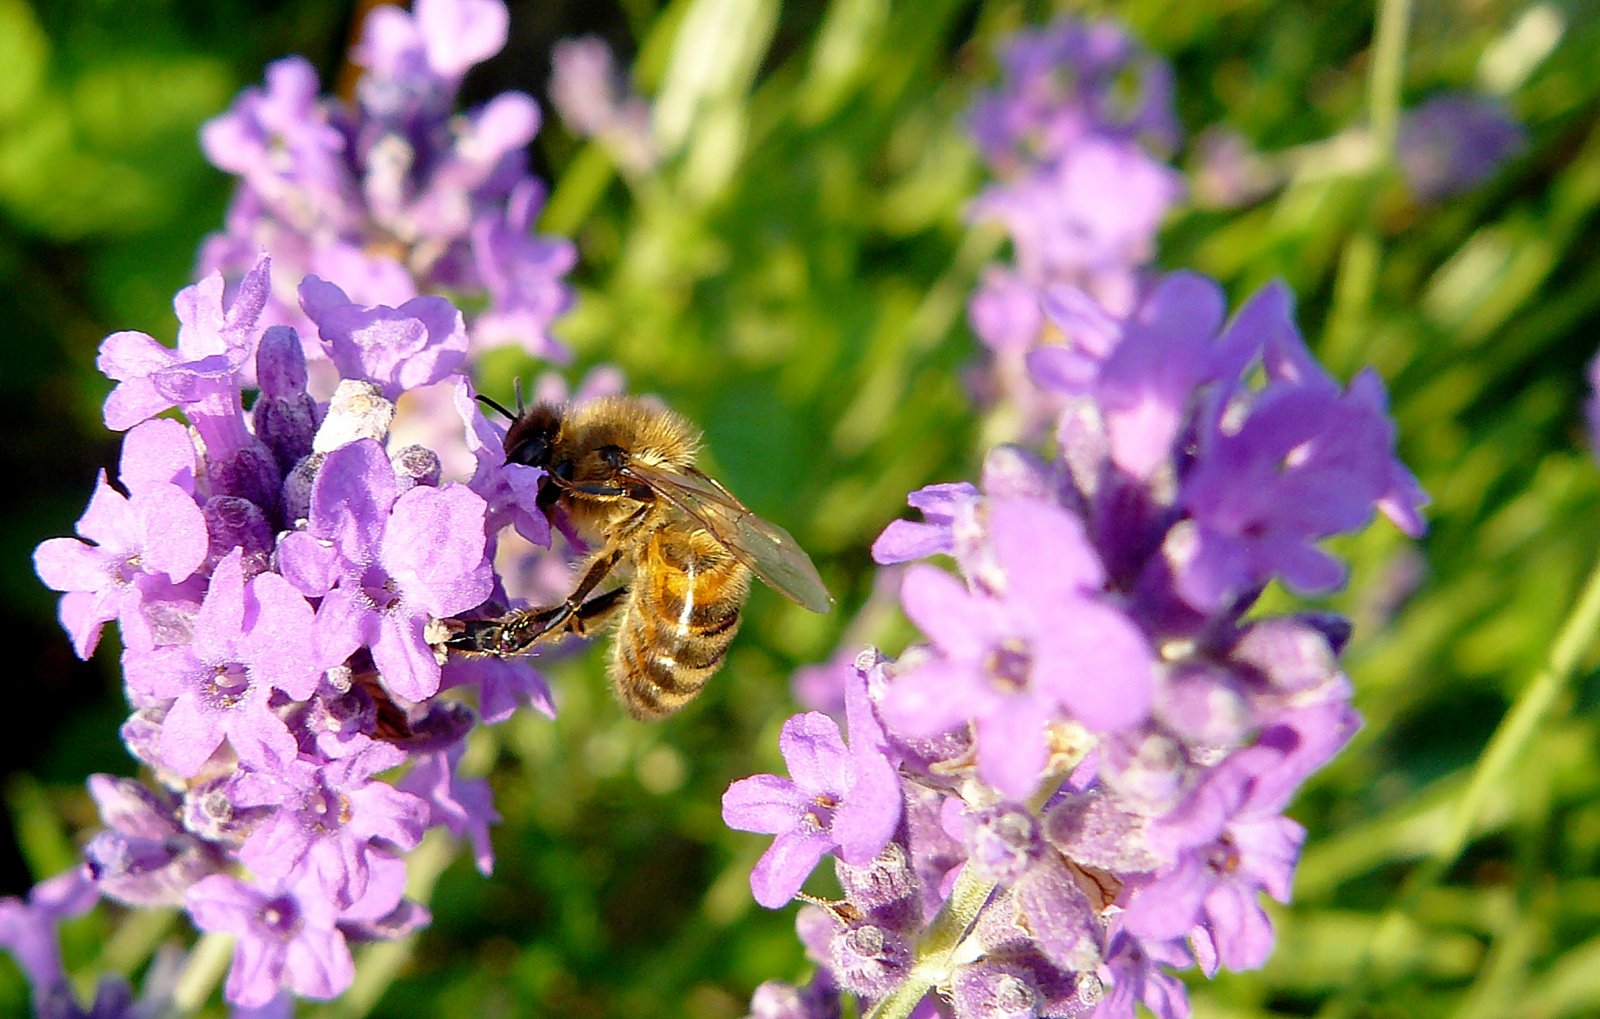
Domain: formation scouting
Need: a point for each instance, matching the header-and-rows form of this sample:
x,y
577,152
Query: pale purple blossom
x,y
462,805
285,939
136,545
839,798
327,821
1011,660
385,563
219,684
592,97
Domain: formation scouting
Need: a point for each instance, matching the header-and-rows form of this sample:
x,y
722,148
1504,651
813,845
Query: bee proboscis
x,y
624,472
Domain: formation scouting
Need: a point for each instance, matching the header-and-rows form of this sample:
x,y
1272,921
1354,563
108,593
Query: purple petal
x,y
350,502
784,867
943,608
1028,532
1011,745
83,616
222,903
278,845
406,664
1097,664
461,33
220,622
157,452
1146,385
934,697
867,819
260,738
434,549
1239,926
277,647
131,358
1170,905
309,563
769,804
318,964
107,520
174,527
905,540
816,755
189,736
67,564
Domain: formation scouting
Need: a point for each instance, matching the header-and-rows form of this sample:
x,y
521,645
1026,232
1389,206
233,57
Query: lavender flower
x,y
592,98
395,194
284,940
28,928
1453,142
1082,112
273,603
138,546
840,798
1009,660
1096,741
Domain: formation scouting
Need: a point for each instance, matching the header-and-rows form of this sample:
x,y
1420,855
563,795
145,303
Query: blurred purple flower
x,y
28,927
1455,141
462,806
591,96
396,194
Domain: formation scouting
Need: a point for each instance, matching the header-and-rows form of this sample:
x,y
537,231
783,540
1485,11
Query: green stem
x,y
1517,729
1383,88
208,959
576,193
381,962
938,946
1357,280
1510,739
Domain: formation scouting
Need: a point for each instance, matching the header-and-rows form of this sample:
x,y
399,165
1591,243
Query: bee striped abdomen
x,y
682,613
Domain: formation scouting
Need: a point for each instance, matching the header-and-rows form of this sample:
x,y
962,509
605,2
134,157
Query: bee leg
x,y
516,633
596,612
519,632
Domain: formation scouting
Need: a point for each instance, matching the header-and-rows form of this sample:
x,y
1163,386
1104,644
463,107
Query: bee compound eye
x,y
533,453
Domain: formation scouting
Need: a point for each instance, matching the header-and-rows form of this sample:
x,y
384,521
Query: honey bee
x,y
624,473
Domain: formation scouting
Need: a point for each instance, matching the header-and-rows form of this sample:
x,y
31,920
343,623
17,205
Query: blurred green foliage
x,y
795,280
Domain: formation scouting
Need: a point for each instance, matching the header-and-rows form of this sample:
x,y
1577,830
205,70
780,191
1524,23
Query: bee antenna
x,y
509,416
516,389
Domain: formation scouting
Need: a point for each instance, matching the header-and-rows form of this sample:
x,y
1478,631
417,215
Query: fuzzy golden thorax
x,y
584,448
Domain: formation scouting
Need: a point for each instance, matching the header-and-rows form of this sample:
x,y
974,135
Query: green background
x,y
794,278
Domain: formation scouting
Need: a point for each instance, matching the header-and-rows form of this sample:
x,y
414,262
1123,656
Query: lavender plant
x,y
396,193
1076,784
272,573
1072,788
1082,111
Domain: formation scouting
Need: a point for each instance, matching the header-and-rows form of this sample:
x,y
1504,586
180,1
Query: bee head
x,y
531,439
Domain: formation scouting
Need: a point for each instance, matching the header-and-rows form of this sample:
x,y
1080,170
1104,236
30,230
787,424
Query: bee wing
x,y
770,551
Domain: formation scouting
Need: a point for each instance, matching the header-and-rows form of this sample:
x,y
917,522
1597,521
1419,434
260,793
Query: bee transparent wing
x,y
770,551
